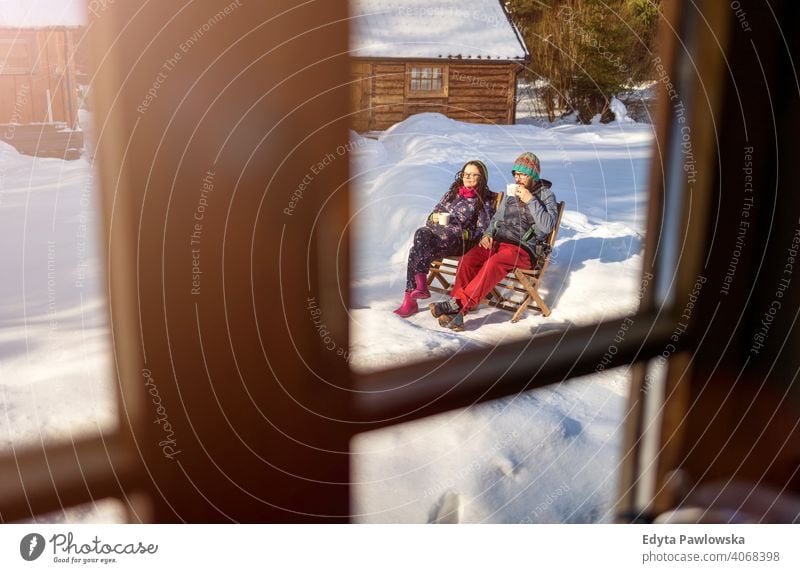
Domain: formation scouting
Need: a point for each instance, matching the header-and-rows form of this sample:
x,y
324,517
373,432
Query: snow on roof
x,y
42,13
466,29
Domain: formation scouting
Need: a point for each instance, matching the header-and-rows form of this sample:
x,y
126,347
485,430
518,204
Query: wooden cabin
x,y
38,91
459,58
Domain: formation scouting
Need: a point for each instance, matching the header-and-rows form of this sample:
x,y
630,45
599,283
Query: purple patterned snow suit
x,y
434,241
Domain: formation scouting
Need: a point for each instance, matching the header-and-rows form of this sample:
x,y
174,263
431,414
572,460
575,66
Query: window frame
x,y
41,479
442,92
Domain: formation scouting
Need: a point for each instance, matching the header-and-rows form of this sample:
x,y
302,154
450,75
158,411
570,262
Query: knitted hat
x,y
481,167
527,163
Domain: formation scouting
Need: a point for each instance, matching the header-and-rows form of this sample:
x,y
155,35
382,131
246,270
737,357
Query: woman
x,y
522,221
470,205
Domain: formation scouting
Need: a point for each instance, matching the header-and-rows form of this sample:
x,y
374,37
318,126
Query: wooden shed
x,y
459,58
38,91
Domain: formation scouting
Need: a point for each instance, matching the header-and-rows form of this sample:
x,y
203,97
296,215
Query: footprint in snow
x,y
570,427
506,466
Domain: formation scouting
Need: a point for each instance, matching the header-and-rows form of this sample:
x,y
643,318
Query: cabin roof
x,y
434,29
42,13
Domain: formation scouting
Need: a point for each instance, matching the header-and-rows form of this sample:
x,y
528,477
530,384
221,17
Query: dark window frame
x,y
416,74
41,479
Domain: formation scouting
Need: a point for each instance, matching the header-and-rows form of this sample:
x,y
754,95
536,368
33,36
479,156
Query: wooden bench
x,y
524,281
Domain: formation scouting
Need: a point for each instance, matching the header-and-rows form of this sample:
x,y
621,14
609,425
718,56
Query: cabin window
x,y
425,80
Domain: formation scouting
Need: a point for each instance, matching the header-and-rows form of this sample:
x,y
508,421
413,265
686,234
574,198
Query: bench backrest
x,y
550,241
551,237
498,200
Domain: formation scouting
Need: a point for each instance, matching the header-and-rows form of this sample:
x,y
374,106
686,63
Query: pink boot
x,y
422,287
408,307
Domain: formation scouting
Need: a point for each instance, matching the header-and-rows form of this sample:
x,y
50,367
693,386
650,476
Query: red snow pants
x,y
481,269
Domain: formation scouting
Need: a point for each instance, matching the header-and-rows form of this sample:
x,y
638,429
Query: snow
x,y
469,29
549,456
544,456
42,13
55,370
619,110
600,171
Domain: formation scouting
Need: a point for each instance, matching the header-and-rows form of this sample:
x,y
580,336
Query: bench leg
x,y
495,294
521,309
435,274
533,294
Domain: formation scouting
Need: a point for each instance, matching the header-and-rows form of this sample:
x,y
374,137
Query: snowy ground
x,y
600,171
55,377
55,368
546,456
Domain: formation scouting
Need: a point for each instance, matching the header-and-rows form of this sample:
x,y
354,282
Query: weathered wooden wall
x,y
477,93
482,93
33,61
385,101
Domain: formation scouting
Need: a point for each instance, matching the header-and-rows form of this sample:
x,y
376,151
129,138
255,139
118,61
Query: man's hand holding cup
x,y
520,192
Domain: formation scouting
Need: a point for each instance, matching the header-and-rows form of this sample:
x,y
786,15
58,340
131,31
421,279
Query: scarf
x,y
467,193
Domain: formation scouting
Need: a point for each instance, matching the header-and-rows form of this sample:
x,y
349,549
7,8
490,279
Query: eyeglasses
x,y
520,174
470,175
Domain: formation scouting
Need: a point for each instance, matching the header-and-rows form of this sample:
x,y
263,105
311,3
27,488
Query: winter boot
x,y
446,307
422,286
454,322
408,307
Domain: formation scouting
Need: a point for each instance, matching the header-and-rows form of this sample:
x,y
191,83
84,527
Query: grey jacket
x,y
525,225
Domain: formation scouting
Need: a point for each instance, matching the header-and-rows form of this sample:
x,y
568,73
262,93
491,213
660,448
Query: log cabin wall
x,y
33,63
474,92
387,100
483,93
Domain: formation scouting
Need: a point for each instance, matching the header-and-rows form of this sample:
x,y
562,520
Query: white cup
x,y
511,190
444,218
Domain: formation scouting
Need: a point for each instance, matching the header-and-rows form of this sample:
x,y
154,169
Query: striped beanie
x,y
527,163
